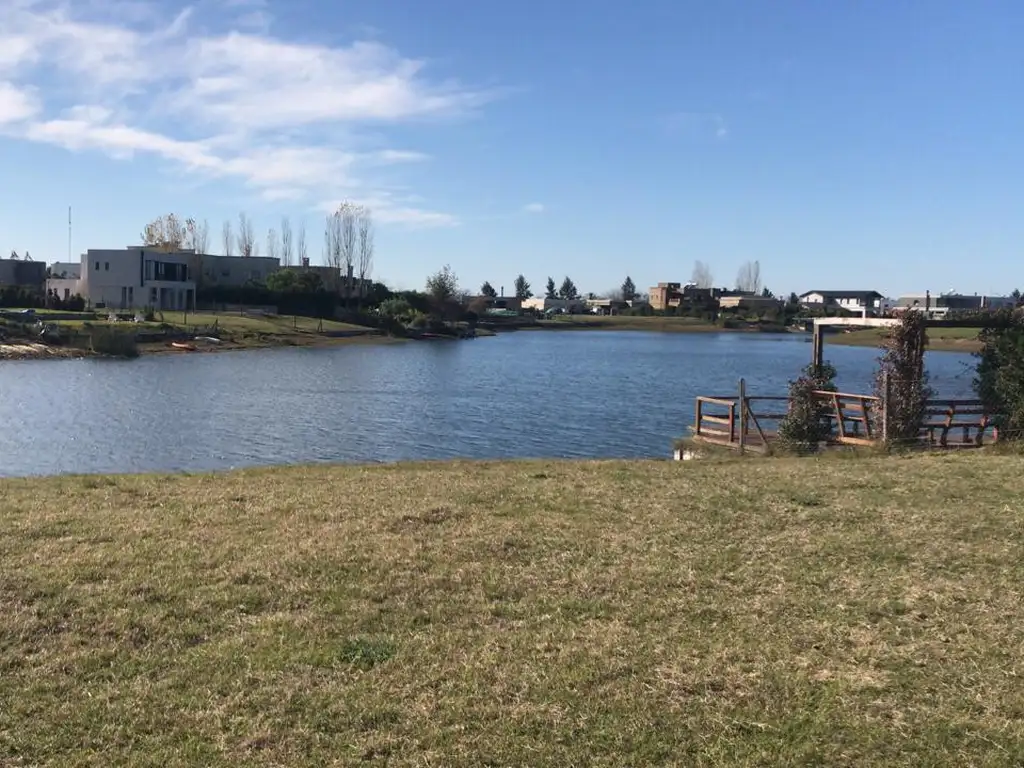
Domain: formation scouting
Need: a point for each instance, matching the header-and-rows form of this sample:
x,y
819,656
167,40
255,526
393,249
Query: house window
x,y
131,296
97,266
152,297
106,266
149,270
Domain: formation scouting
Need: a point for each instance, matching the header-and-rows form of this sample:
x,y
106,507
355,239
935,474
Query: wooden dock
x,y
750,422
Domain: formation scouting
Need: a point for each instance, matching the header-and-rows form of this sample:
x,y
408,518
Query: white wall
x,y
121,279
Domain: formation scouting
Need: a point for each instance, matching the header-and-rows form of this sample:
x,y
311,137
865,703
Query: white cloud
x,y
534,208
16,104
287,118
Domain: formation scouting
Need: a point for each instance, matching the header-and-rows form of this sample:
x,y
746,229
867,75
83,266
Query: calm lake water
x,y
526,394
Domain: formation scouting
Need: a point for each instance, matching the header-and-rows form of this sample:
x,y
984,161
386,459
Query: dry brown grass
x,y
630,323
774,612
939,339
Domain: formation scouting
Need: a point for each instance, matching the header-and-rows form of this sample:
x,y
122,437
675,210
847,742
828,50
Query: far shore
x,y
239,333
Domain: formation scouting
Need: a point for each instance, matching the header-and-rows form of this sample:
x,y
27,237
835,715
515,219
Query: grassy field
x,y
758,612
630,323
939,339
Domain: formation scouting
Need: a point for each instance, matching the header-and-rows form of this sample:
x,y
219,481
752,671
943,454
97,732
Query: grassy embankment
x,y
637,323
939,339
773,612
236,331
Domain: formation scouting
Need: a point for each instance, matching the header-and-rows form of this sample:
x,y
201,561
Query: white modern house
x,y
857,302
128,278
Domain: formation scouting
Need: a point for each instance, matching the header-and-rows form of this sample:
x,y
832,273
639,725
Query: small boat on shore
x,y
183,346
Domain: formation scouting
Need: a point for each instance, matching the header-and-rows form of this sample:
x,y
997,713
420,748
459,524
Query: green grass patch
x,y
772,612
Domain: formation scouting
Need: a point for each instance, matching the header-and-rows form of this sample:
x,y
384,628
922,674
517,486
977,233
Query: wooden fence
x,y
750,422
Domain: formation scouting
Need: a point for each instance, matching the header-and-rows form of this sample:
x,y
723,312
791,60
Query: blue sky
x,y
872,145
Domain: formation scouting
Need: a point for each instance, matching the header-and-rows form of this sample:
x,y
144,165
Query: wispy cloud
x,y
286,118
698,124
534,208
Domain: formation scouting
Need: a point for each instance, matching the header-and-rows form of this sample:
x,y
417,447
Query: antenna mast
x,y
69,233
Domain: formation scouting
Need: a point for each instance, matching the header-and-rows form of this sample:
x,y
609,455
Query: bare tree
x,y
227,239
203,237
273,245
301,245
332,241
364,250
245,238
748,279
166,233
702,276
286,242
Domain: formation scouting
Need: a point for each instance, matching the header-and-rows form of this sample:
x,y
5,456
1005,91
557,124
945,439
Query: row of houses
x,y
140,276
856,302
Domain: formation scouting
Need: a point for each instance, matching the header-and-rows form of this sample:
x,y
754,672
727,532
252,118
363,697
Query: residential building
x,y
570,306
607,306
344,283
212,270
939,306
665,295
751,301
128,278
65,270
30,275
856,302
506,303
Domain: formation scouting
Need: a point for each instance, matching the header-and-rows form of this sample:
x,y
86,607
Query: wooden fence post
x,y
743,415
886,392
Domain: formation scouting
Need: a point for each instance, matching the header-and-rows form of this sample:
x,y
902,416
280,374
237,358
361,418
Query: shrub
x,y
999,376
807,422
107,341
902,363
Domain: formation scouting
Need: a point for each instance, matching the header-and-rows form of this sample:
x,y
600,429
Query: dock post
x,y
886,396
743,416
818,351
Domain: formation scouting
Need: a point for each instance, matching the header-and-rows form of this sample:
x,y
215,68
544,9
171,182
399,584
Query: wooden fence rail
x,y
751,421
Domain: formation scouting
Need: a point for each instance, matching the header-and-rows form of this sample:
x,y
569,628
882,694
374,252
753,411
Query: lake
x,y
527,394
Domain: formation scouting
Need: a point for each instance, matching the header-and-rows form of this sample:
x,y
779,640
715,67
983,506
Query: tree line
x,y
348,239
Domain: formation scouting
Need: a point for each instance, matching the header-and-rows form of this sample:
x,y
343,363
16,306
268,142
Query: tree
x,y
300,246
272,244
286,242
568,290
766,294
999,377
197,235
807,422
550,292
364,249
794,300
748,279
166,233
1016,296
628,289
488,290
902,379
245,239
701,276
227,239
443,290
522,288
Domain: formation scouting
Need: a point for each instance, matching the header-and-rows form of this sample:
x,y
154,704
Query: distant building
x,y
939,306
344,283
749,301
857,302
571,306
211,270
505,303
28,275
665,295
